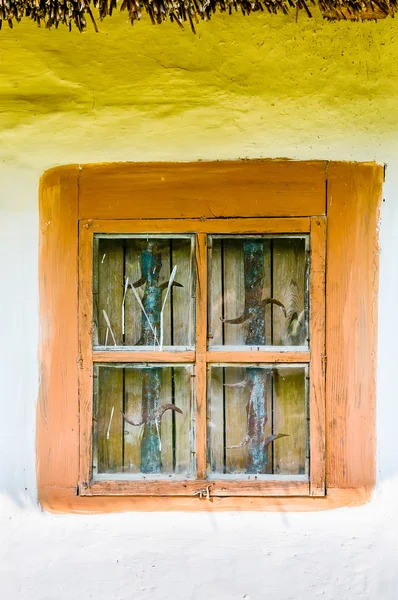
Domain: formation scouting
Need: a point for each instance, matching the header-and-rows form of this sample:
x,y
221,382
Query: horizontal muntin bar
x,y
258,357
157,356
189,356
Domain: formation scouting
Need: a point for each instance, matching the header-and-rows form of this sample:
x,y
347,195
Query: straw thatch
x,y
51,13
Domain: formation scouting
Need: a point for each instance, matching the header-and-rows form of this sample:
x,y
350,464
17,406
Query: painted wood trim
x,y
258,356
57,433
62,500
201,344
231,226
124,356
351,317
212,356
317,365
276,188
203,488
86,353
354,194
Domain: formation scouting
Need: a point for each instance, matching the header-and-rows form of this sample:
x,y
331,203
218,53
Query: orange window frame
x,y
202,357
336,203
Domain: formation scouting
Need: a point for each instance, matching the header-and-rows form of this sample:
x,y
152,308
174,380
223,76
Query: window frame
x,y
202,357
207,198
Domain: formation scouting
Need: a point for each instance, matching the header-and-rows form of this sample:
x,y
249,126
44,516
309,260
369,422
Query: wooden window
x,y
232,406
194,344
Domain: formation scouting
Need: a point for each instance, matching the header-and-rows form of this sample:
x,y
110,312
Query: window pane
x,y
257,420
143,421
258,291
143,291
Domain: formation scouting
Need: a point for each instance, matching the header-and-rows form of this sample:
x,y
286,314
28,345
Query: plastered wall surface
x,y
258,87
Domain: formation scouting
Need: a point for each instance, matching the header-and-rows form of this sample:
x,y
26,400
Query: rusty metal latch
x,y
203,493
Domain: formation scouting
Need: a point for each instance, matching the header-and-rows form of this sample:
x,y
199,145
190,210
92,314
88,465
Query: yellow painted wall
x,y
256,86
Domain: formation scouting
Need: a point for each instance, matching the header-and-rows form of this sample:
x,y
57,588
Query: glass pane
x,y
258,291
144,291
143,421
257,420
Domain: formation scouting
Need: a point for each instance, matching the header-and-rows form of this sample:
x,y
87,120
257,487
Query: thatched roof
x,y
51,13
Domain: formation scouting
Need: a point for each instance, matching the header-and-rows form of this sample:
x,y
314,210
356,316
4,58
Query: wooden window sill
x,y
64,500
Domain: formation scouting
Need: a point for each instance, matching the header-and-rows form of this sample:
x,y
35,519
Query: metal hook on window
x,y
203,493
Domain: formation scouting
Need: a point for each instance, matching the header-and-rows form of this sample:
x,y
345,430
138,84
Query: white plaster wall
x,y
343,554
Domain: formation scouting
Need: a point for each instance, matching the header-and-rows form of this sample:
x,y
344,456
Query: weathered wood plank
x,y
110,420
110,381
166,424
215,294
215,420
289,268
236,401
152,263
267,291
183,333
95,285
234,292
290,418
183,422
252,319
110,291
134,412
234,334
237,416
133,409
164,277
132,310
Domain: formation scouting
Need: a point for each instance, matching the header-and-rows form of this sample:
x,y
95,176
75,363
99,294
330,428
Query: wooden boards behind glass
x,y
143,420
258,291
